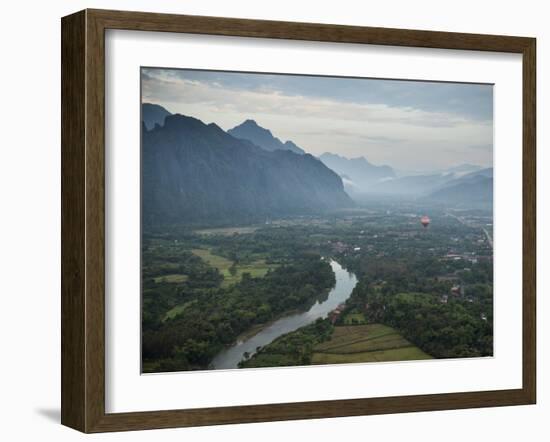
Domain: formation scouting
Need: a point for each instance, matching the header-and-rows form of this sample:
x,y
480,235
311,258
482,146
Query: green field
x,y
149,367
227,231
355,318
257,269
173,279
217,261
173,312
365,343
167,266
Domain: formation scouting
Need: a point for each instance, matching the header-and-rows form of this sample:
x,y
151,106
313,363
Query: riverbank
x,y
321,343
255,329
264,334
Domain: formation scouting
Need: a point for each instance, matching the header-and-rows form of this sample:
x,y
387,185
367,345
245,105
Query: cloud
x,y
168,88
469,100
401,135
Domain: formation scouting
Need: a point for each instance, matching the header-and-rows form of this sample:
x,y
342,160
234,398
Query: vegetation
x,y
230,270
366,343
354,318
294,348
322,343
175,278
239,231
186,324
429,290
442,323
226,230
194,172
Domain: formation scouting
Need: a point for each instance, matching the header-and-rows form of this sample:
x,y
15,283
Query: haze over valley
x,y
296,220
203,172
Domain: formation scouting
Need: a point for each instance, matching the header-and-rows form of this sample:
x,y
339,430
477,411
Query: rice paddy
x,y
366,343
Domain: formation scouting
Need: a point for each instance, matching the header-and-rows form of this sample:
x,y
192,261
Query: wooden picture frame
x,y
83,220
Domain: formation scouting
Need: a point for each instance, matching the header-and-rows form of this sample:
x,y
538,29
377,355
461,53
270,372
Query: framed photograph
x,y
269,220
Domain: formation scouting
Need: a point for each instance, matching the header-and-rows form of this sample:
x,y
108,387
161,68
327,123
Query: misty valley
x,y
258,254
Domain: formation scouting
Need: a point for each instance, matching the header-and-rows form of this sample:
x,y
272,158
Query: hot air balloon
x,y
425,221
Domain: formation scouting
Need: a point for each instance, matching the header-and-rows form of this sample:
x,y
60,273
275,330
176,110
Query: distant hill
x,y
152,114
473,189
193,172
413,185
251,131
464,169
438,186
358,173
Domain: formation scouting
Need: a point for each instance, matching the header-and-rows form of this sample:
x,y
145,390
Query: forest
x,y
187,320
426,311
421,293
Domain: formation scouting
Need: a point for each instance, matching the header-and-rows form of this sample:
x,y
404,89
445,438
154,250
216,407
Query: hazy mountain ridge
x,y
426,184
357,176
474,188
413,185
261,137
464,169
153,114
359,173
196,172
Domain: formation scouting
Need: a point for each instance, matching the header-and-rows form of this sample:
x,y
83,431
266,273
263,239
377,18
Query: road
x,y
489,239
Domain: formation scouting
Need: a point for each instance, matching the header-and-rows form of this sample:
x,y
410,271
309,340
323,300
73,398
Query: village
x,y
460,244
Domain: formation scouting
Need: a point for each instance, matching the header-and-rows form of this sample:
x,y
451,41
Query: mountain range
x,y
412,185
463,169
358,173
251,131
456,187
472,189
196,172
153,114
192,171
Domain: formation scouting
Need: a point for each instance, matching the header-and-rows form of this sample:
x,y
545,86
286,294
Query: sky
x,y
409,125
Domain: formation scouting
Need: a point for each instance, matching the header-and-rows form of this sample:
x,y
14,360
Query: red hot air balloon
x,y
425,221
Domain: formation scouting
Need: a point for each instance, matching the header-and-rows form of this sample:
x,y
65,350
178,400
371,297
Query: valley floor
x,y
365,343
206,289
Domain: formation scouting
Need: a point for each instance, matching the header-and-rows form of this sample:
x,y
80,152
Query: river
x,y
345,282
